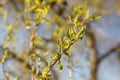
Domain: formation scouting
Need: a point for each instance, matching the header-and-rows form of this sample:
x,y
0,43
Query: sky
x,y
108,34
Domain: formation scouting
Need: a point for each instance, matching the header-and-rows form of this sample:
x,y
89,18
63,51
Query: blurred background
x,y
96,57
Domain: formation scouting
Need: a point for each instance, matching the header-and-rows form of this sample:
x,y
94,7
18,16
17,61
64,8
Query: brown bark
x,y
94,60
91,44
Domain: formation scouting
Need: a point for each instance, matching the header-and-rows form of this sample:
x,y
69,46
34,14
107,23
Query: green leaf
x,y
27,22
65,42
39,10
74,30
71,20
67,54
9,27
60,65
76,20
57,52
87,14
37,2
46,61
98,17
49,74
37,40
47,21
32,8
94,18
53,58
69,33
82,32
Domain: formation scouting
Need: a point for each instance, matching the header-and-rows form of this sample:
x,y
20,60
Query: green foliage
x,y
60,65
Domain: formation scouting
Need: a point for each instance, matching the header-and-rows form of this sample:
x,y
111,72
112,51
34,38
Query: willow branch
x,y
63,51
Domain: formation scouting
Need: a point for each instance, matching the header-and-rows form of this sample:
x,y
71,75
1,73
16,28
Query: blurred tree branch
x,y
109,52
91,43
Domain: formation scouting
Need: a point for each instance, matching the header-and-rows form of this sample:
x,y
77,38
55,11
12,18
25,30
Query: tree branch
x,y
91,43
109,52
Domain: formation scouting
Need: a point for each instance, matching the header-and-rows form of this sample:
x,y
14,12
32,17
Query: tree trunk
x,y
91,44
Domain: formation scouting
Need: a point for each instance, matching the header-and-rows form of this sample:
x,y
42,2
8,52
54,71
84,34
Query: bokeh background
x,y
106,32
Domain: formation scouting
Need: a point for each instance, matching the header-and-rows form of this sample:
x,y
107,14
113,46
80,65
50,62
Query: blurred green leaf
x,y
60,65
53,58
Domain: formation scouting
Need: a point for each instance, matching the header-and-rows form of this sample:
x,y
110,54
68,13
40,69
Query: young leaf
x,y
53,58
57,52
82,32
37,40
94,18
74,30
87,14
71,20
9,27
67,54
60,65
69,33
76,20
